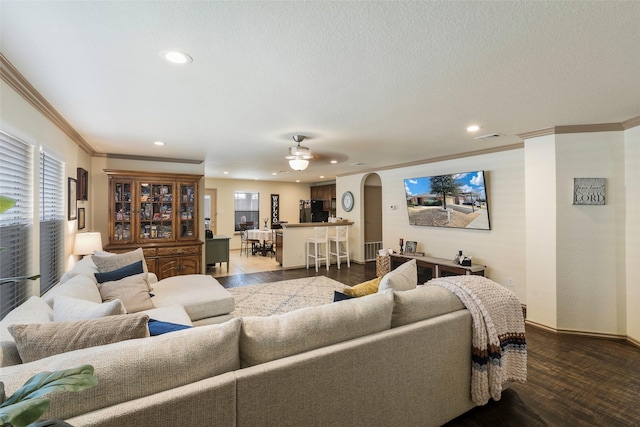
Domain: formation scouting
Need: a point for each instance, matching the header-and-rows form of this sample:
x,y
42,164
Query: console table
x,y
430,267
217,250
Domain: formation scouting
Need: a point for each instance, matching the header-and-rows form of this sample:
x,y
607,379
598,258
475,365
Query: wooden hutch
x,y
157,212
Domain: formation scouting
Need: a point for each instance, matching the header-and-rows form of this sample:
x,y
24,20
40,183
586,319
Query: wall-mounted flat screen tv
x,y
458,200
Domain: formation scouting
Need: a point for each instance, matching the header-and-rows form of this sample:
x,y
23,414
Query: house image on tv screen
x,y
457,200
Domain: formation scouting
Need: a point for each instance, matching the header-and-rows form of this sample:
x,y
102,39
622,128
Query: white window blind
x,y
51,220
16,224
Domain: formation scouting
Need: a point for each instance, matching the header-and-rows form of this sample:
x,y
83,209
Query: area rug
x,y
281,297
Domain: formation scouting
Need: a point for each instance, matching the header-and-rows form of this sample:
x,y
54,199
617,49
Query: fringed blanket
x,y
499,352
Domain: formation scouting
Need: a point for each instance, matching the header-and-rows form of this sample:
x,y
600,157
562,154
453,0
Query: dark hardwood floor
x,y
572,380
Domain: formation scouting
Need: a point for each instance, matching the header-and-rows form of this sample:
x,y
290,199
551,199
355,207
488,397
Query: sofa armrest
x,y
152,278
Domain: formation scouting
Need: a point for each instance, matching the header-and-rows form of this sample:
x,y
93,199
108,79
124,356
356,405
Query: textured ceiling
x,y
374,83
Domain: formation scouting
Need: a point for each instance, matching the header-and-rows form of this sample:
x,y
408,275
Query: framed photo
x,y
81,218
411,247
83,184
72,201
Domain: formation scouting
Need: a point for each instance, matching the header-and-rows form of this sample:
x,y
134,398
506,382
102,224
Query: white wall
x,y
632,239
501,249
590,239
21,120
290,196
540,207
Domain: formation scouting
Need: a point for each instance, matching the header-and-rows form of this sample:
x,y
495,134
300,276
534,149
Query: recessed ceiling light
x,y
334,161
226,172
321,176
159,143
176,57
473,128
274,173
297,180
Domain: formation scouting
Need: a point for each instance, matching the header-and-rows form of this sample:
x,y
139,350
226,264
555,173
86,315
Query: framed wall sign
x,y
81,219
72,201
589,191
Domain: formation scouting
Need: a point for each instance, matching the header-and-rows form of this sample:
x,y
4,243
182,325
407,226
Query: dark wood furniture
x,y
216,250
430,267
157,212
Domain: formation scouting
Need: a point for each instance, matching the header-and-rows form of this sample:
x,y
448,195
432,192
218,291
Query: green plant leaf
x,y
6,203
24,413
3,396
75,379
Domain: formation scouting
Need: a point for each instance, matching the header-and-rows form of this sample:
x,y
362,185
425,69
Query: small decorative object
x,y
589,191
411,247
265,222
72,205
401,244
347,201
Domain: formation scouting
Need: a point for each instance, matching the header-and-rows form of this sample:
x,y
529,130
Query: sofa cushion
x,y
85,266
403,278
33,310
171,313
107,261
133,369
120,273
365,288
200,295
37,341
131,290
268,338
80,286
66,309
422,303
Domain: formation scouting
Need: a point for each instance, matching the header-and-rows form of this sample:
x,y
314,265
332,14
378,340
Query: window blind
x,y
247,208
51,220
16,224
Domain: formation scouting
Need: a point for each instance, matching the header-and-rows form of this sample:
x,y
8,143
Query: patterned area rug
x,y
281,297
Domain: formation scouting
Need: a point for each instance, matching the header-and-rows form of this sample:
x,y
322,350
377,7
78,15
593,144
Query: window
x,y
247,208
51,220
16,224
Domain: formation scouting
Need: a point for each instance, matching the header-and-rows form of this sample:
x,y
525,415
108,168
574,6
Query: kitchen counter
x,y
291,241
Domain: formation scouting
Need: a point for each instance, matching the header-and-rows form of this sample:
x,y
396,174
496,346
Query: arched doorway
x,y
372,215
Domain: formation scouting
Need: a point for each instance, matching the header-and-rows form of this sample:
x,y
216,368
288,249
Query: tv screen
x,y
458,200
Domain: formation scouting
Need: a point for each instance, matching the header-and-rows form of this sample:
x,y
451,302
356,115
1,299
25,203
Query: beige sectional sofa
x,y
391,358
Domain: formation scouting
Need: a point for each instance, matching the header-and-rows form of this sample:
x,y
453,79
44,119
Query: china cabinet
x,y
157,212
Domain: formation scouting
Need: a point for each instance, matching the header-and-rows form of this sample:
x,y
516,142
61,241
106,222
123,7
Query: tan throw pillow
x,y
106,261
362,289
131,290
37,341
67,309
402,278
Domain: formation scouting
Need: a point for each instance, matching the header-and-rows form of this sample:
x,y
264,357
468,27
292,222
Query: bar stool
x,y
342,236
321,237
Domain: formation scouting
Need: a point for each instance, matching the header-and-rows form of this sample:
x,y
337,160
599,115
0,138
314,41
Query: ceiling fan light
x,y
300,151
298,164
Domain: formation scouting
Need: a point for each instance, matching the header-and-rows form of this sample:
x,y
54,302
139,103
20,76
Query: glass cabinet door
x,y
122,221
188,228
156,211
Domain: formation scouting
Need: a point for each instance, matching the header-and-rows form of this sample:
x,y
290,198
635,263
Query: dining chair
x,y
341,236
321,237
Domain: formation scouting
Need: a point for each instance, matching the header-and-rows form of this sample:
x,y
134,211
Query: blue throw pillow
x,y
156,327
339,296
121,273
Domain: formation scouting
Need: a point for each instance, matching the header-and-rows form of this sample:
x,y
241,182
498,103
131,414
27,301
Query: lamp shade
x,y
86,243
298,164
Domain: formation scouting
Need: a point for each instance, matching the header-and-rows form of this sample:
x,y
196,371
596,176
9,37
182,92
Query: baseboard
x,y
583,333
633,342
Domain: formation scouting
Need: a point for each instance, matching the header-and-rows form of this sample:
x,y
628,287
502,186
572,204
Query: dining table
x,y
262,236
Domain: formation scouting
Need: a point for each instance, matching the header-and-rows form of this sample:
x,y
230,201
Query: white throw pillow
x,y
402,278
67,309
33,310
81,286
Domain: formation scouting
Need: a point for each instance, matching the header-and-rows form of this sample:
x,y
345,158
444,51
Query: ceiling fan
x,y
299,155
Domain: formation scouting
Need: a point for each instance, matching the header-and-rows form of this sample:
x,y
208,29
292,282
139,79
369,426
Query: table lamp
x,y
86,243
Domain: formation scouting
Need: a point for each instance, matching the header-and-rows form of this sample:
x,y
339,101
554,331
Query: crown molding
x,y
599,127
21,85
510,147
148,158
631,123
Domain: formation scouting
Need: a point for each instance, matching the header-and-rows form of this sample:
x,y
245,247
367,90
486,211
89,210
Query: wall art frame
x,y
72,201
81,219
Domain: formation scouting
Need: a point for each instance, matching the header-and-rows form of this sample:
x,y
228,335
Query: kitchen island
x,y
291,241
